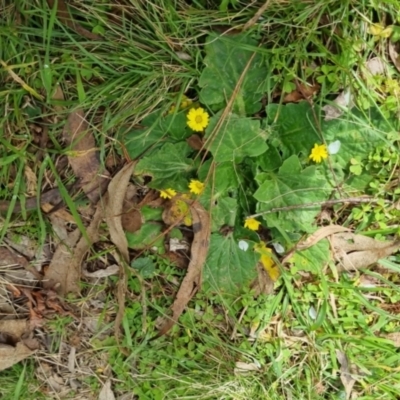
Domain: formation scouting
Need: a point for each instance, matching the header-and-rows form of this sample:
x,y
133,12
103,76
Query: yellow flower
x,y
196,187
167,193
318,153
197,119
267,261
252,223
379,30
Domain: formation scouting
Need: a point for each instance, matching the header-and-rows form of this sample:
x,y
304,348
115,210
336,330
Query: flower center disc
x,y
199,119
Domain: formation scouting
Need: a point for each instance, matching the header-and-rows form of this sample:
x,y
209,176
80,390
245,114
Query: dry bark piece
x,y
84,158
192,281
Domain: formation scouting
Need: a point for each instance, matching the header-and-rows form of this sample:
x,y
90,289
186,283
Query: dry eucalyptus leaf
x,y
114,208
353,251
320,234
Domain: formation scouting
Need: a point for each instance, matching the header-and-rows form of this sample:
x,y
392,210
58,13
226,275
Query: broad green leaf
x,y
223,182
136,142
292,186
169,166
148,235
229,269
238,137
157,129
176,125
294,128
271,160
295,131
226,59
313,259
223,212
223,176
358,135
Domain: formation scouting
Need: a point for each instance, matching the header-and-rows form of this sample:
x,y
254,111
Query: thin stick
x,y
351,200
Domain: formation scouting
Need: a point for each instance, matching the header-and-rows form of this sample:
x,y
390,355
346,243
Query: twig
x,y
351,200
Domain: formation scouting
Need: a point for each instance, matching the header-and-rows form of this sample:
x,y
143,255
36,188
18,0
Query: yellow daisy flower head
x,y
167,193
196,187
197,119
252,223
318,153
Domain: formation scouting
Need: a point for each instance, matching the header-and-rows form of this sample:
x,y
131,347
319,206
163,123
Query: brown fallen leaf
x,y
83,156
353,251
345,375
114,208
113,211
65,267
10,355
192,281
131,219
320,234
12,350
301,92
